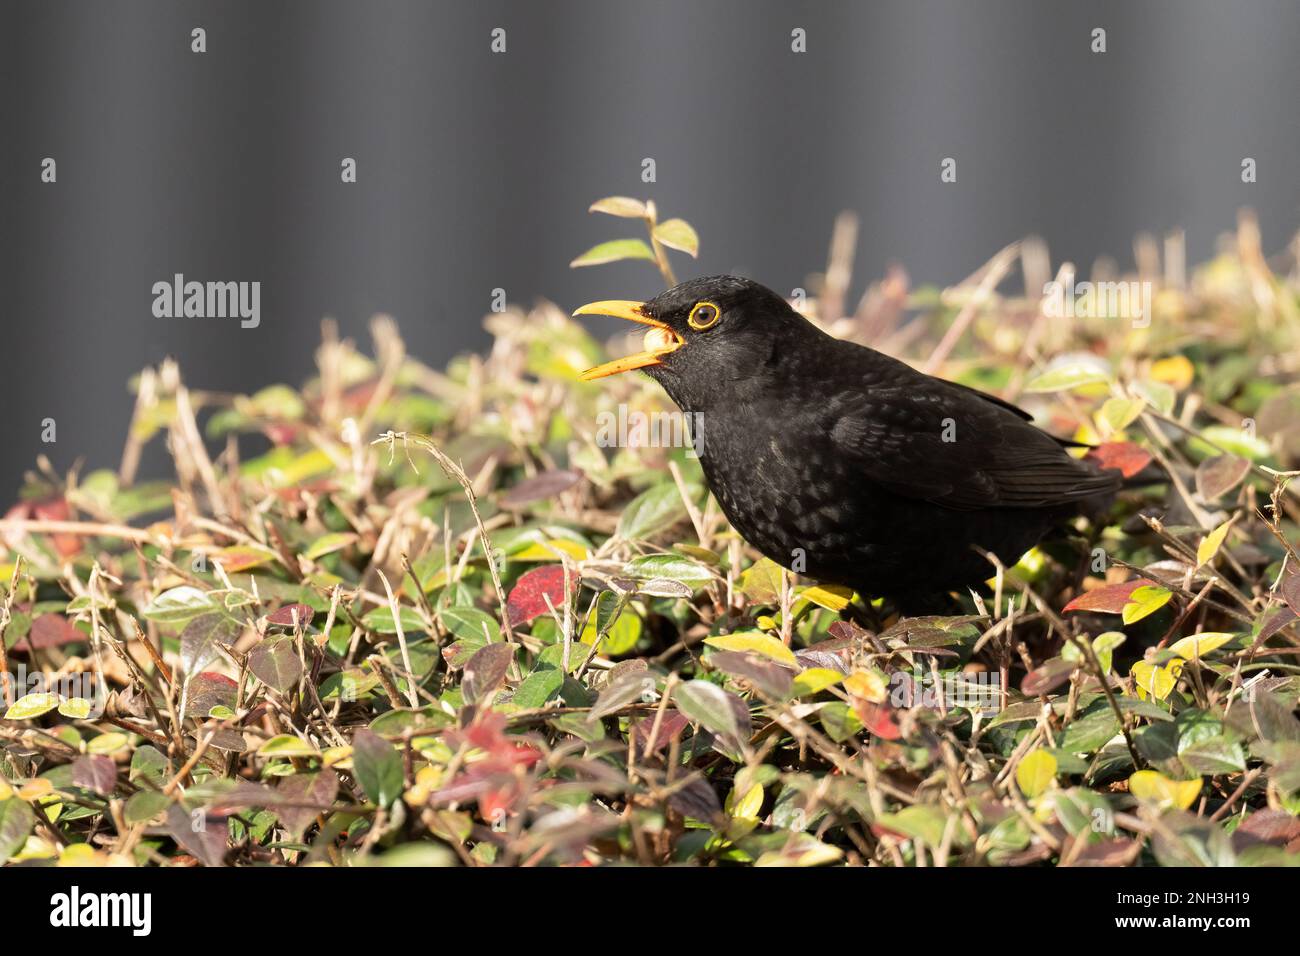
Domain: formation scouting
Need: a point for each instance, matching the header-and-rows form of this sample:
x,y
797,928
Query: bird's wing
x,y
935,441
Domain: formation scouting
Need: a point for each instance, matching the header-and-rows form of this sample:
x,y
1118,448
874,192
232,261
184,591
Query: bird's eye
x,y
705,315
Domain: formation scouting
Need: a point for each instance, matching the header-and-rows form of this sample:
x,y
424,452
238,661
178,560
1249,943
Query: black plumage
x,y
836,458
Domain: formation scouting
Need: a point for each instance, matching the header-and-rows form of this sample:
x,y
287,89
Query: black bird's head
x,y
704,332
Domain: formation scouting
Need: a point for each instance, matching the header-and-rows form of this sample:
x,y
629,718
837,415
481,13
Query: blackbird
x,y
834,459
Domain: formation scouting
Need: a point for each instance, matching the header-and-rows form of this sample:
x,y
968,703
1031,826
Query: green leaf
x,y
1091,729
655,509
1235,441
672,567
16,823
32,705
178,605
623,206
144,805
380,620
613,251
678,234
377,766
328,544
539,687
1069,372
1035,773
470,624
620,637
708,705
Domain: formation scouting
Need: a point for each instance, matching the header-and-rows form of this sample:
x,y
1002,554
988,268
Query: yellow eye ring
x,y
705,321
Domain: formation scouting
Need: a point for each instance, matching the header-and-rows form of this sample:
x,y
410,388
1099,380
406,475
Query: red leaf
x,y
1123,455
284,616
877,718
50,630
56,509
673,723
1109,598
528,597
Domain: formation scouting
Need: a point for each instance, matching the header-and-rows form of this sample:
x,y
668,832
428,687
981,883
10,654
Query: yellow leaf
x,y
1143,601
1035,773
761,581
754,641
35,789
868,685
546,551
1176,370
108,743
340,757
833,597
287,745
624,206
1155,681
1199,645
746,807
1118,413
1150,786
814,680
1210,544
81,854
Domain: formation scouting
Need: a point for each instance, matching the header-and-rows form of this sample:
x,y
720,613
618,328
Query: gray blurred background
x,y
476,169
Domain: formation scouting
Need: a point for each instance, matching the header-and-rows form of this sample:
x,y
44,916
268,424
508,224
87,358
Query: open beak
x,y
659,341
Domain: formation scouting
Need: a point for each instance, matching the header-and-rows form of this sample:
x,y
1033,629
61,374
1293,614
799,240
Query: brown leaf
x,y
316,789
284,617
546,485
95,772
1218,475
485,671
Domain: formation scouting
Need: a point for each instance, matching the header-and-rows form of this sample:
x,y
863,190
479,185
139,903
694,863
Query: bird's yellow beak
x,y
659,341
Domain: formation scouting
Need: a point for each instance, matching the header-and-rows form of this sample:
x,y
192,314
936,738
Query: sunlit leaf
x,y
1035,772
1210,544
613,251
1144,601
678,234
1201,645
756,642
623,206
1151,786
